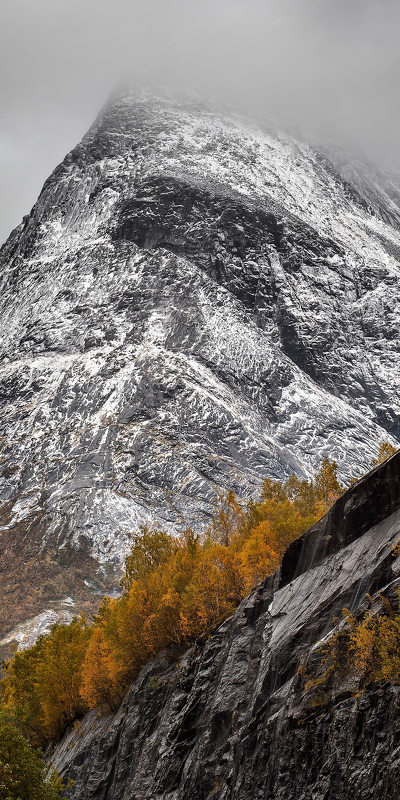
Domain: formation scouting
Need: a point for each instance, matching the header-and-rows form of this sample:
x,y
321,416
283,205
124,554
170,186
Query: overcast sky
x,y
328,68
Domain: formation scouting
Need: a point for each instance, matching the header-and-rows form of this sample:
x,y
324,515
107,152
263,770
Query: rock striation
x,y
195,302
231,720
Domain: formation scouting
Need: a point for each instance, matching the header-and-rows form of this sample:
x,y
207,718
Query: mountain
x,y
233,718
194,303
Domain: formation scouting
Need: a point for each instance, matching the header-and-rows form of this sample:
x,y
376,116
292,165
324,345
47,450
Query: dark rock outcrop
x,y
230,720
193,304
353,513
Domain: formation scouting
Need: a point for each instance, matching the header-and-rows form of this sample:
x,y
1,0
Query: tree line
x,y
175,588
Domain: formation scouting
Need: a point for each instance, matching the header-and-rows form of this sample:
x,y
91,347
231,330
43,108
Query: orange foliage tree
x,y
175,588
42,684
386,450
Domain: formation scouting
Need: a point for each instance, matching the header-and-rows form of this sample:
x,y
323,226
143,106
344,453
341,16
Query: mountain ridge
x,y
192,305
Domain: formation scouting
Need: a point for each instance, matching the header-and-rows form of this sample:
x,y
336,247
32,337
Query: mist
x,y
321,68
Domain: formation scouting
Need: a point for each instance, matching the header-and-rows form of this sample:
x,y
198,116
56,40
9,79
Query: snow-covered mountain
x,y
195,302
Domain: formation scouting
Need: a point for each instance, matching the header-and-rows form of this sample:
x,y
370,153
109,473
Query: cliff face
x,y
194,303
231,718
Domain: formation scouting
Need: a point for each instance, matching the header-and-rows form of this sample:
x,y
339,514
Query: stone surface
x,y
230,719
195,302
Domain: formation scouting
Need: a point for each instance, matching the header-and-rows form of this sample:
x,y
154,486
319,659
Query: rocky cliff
x,y
231,719
195,302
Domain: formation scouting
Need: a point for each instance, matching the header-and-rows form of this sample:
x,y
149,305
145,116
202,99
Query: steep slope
x,y
193,303
231,719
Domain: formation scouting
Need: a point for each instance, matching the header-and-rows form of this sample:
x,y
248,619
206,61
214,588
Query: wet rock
x,y
230,718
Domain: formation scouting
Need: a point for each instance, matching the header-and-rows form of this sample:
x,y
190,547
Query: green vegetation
x,y
23,774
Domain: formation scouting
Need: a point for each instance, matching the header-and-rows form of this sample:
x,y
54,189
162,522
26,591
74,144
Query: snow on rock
x,y
28,631
194,303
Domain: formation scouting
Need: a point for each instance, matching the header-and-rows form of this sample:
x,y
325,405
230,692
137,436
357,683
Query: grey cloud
x,y
329,68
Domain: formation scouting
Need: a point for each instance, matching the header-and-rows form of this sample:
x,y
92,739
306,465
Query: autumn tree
x,y
151,547
326,486
227,518
18,693
386,450
175,589
375,646
100,684
205,599
273,491
123,623
258,559
368,646
301,493
42,683
58,676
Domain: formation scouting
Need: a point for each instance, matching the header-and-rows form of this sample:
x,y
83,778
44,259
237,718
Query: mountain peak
x,y
194,303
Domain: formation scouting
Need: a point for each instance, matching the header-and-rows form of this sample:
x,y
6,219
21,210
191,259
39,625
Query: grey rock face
x,y
231,718
194,303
